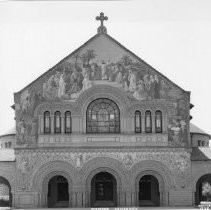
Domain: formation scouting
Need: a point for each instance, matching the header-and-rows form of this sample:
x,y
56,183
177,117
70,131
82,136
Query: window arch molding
x,y
102,91
53,107
102,116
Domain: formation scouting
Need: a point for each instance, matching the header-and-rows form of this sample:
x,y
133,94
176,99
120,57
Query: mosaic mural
x,y
96,65
71,79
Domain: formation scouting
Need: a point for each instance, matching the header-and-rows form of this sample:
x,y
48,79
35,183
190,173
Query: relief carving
x,y
177,162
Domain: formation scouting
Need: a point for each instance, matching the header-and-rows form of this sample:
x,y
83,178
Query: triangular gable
x,y
121,51
103,61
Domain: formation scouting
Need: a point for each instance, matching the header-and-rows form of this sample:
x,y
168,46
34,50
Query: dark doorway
x,y
203,189
103,190
5,193
149,191
58,195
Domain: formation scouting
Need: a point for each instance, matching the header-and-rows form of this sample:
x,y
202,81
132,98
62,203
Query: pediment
x,y
102,60
103,64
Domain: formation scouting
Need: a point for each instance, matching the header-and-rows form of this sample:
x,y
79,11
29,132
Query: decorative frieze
x,y
177,162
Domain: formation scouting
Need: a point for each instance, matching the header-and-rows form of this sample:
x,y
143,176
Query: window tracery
x,y
68,122
47,122
103,116
148,122
158,121
57,122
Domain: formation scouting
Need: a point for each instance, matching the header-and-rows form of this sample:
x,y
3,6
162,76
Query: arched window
x,y
47,122
103,116
148,122
158,121
138,122
68,122
57,122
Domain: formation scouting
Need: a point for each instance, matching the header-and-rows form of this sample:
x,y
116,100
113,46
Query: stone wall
x,y
35,168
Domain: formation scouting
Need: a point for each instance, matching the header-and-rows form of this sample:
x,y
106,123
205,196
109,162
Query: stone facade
x,y
101,69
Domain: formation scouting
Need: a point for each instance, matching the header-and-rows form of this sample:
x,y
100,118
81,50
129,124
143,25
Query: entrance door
x,y
58,195
149,191
103,190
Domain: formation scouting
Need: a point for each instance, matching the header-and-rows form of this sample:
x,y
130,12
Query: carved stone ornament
x,y
177,162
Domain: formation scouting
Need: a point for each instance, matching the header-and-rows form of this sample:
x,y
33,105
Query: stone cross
x,y
102,18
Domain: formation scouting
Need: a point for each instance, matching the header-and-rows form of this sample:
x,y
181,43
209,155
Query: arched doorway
x,y
58,193
149,194
103,190
5,193
203,189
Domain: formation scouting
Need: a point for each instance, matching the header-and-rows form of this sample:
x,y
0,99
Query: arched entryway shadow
x,y
149,194
203,189
157,195
49,170
160,172
5,193
103,190
58,192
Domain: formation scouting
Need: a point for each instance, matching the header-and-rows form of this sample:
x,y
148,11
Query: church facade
x,y
103,128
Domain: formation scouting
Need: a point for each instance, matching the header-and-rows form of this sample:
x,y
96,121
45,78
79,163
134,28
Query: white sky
x,y
173,36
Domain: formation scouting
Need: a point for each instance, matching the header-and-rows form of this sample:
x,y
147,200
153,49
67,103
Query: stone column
x,y
153,121
74,199
13,199
52,124
129,198
62,124
137,199
87,199
122,199
79,196
143,122
133,198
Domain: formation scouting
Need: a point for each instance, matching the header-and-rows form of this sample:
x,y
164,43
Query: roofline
x,y
12,134
86,43
205,134
138,58
201,160
69,55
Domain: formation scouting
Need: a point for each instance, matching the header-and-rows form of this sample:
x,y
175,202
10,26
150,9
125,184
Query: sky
x,y
173,36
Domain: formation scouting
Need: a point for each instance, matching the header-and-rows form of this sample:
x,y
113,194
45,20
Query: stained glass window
x,y
103,116
68,122
47,122
57,122
148,122
158,121
138,122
